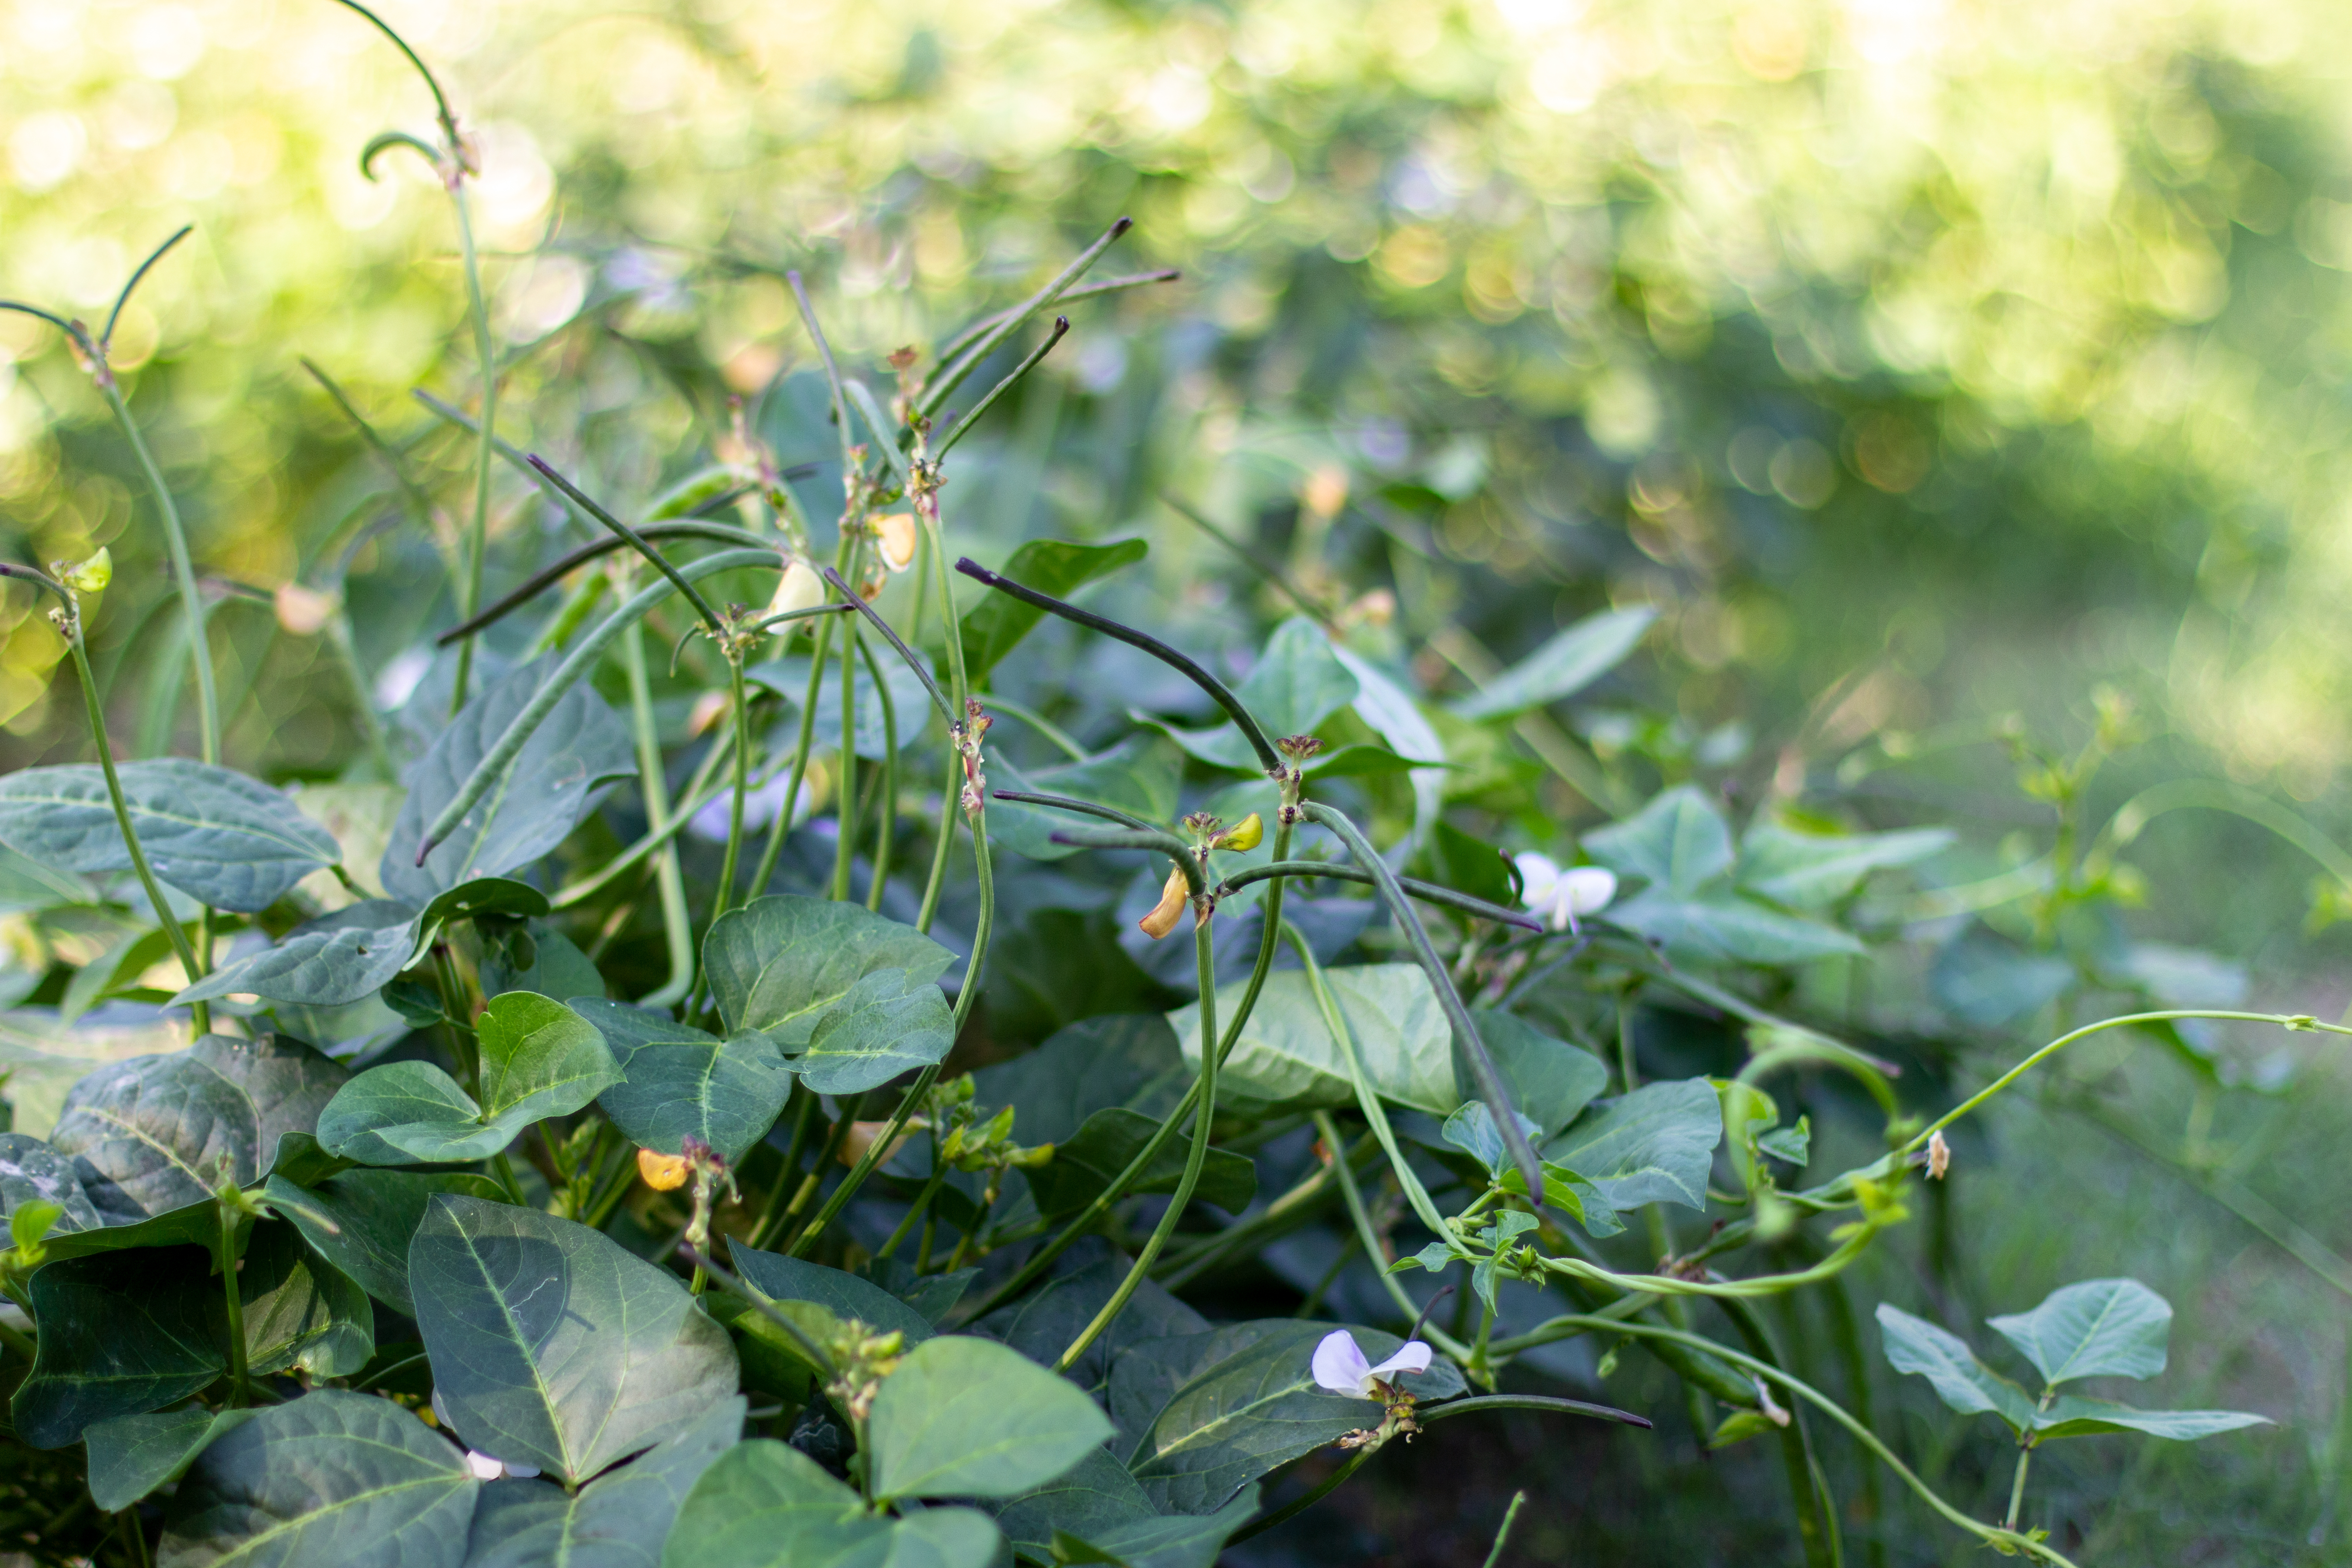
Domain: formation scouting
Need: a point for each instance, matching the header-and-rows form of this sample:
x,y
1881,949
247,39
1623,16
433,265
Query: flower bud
x,y
92,576
1243,835
662,1172
1172,897
897,534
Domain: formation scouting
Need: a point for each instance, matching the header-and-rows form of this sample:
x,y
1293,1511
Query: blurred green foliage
x,y
1921,365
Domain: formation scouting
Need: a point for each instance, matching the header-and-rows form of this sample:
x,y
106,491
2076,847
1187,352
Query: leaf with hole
x,y
157,1133
675,1082
217,835
331,1477
554,1346
969,1418
779,964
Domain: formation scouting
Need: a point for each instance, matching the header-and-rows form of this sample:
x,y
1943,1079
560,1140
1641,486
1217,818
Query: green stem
x,y
469,597
1205,965
808,1186
338,638
1502,1535
1039,722
676,924
788,1175
845,838
886,832
200,1013
1808,1488
192,604
2017,1486
1315,1494
782,827
1362,1219
227,1214
915,1211
724,898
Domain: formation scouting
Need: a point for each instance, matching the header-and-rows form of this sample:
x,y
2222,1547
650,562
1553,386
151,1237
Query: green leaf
x,y
995,626
617,1521
2076,1415
299,1310
1550,1079
889,1022
362,1221
579,748
221,839
1240,1401
1137,776
1181,1541
1564,1190
1964,1383
765,1505
130,1456
2099,1328
1472,1130
968,1417
1469,865
1724,928
1794,1144
1041,1325
1791,867
1985,979
479,896
676,1080
536,957
331,962
845,1296
157,1133
331,1478
33,1173
1296,683
540,1058
1570,661
1095,1497
778,964
190,1224
1679,841
120,1333
1285,1057
1653,1145
1128,1059
1086,1164
409,1113
551,1344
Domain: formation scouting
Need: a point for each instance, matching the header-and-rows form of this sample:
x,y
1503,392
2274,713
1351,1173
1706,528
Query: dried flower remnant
x,y
1940,1156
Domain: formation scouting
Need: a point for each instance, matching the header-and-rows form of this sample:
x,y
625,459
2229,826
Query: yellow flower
x,y
92,576
662,1172
1243,835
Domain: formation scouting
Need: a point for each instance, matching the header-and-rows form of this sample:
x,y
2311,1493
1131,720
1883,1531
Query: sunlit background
x,y
1942,371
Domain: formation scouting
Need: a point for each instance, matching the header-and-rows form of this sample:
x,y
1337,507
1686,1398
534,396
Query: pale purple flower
x,y
1340,1365
1560,895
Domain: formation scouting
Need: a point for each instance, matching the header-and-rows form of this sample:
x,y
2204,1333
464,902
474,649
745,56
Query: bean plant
x,y
525,1183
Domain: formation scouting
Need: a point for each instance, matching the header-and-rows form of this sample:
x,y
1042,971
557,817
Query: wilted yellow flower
x,y
1172,897
304,612
897,532
663,1172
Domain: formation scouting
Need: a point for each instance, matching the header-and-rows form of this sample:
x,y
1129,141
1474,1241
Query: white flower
x,y
1562,895
485,1468
1341,1366
799,589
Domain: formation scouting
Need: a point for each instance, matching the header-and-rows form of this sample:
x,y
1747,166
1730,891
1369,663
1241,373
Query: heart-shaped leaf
x,y
130,1456
333,1477
335,960
580,747
120,1333
1550,1079
968,1417
1086,1165
362,1221
157,1133
1944,1359
540,1058
2076,1415
676,1080
890,1022
779,964
765,1505
1653,1145
617,1521
2099,1328
221,839
1237,1401
554,1346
